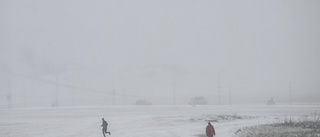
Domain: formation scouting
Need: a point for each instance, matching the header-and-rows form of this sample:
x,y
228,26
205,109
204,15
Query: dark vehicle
x,y
143,102
198,101
271,102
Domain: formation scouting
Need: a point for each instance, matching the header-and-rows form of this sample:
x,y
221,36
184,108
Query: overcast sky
x,y
152,48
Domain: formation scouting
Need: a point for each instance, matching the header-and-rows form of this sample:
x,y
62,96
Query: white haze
x,y
164,51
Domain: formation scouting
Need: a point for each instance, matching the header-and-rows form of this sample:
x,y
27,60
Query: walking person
x,y
104,127
210,132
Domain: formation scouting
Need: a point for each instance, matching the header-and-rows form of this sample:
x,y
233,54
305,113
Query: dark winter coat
x,y
104,124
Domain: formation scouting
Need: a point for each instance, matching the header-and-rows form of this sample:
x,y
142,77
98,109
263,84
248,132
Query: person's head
x,y
102,119
209,123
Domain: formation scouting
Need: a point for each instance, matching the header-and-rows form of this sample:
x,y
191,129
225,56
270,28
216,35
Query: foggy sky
x,y
155,49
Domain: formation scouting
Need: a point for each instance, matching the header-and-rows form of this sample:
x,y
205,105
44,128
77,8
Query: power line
x,y
55,82
60,85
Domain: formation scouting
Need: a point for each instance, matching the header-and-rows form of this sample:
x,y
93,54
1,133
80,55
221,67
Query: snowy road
x,y
135,121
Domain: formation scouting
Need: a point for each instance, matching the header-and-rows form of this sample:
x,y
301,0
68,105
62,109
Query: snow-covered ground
x,y
140,121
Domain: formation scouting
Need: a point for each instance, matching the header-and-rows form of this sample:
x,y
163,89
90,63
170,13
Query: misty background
x,y
101,52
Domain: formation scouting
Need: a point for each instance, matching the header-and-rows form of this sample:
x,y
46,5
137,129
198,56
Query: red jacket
x,y
210,130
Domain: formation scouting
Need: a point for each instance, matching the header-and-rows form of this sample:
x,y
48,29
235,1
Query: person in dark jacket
x,y
104,127
210,132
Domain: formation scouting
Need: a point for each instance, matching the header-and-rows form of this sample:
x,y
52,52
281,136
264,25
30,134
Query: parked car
x,y
271,102
143,102
200,100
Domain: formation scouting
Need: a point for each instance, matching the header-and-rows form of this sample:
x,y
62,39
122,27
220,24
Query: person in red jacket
x,y
210,130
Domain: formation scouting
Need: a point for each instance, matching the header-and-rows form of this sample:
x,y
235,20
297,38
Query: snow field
x,y
136,121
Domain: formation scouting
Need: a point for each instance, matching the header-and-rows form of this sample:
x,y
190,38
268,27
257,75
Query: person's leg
x,y
103,132
107,131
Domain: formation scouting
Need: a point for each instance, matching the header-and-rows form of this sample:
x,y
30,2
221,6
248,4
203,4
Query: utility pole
x,y
57,92
219,87
9,95
24,99
174,94
73,97
290,91
113,92
229,94
123,97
